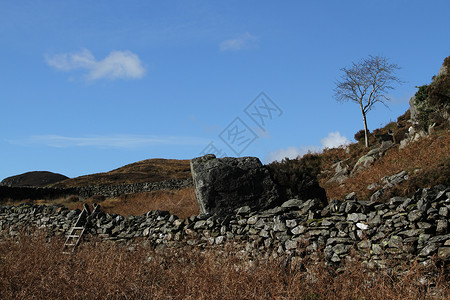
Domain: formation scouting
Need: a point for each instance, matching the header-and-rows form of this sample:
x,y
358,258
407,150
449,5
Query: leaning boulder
x,y
224,184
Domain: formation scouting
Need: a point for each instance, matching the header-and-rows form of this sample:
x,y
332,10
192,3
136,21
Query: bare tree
x,y
366,83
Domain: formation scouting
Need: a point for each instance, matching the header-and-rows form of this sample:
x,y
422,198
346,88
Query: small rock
x,y
290,244
429,249
355,217
362,226
444,252
442,227
351,196
252,220
298,230
415,215
291,223
341,249
293,203
443,211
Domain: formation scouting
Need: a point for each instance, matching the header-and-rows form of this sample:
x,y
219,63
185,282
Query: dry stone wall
x,y
403,228
33,193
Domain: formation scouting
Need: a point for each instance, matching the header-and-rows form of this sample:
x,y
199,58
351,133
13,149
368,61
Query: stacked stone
x,y
403,228
35,193
133,188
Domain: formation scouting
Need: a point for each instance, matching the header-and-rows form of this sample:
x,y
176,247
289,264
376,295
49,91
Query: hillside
x,y
35,178
403,156
150,170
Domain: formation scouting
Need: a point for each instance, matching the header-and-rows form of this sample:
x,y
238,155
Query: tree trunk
x,y
366,131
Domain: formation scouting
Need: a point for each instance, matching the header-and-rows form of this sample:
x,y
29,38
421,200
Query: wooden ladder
x,y
76,232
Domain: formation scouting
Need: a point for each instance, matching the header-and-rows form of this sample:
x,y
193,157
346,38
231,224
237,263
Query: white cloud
x,y
242,42
333,140
290,152
112,141
117,65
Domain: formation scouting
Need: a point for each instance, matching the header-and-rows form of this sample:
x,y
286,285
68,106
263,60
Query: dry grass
x,y
150,170
427,162
33,268
178,202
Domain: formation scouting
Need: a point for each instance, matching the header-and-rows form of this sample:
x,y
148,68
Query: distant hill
x,y
35,178
150,170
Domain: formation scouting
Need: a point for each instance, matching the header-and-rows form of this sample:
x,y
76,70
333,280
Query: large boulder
x,y
224,184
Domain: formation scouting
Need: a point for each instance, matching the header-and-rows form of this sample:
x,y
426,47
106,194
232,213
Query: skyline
x,y
90,87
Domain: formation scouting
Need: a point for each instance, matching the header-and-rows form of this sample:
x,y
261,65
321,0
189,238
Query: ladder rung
x,y
70,244
77,228
73,236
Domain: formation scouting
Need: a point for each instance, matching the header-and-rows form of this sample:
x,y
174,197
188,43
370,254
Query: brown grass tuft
x,y
33,268
427,162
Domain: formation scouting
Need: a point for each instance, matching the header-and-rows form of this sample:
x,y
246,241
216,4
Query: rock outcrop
x,y
224,184
367,160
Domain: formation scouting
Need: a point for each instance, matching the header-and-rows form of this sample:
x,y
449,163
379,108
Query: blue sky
x,y
89,86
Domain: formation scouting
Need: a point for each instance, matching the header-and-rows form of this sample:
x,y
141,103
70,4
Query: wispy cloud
x,y
112,141
333,140
242,42
117,65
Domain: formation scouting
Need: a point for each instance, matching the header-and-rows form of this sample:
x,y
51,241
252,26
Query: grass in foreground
x,y
33,268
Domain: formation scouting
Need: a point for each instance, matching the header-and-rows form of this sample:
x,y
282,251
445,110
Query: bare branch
x,y
366,83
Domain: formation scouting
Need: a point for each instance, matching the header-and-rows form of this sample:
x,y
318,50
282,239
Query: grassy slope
x,y
150,170
427,162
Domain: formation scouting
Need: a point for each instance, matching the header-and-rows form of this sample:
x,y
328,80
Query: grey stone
x,y
439,238
219,240
243,210
264,233
355,217
221,184
341,172
341,249
335,258
200,224
442,227
338,240
298,230
411,232
429,249
372,186
375,221
351,196
293,203
444,253
424,225
362,226
376,249
367,244
415,215
279,224
290,244
252,220
291,223
443,211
